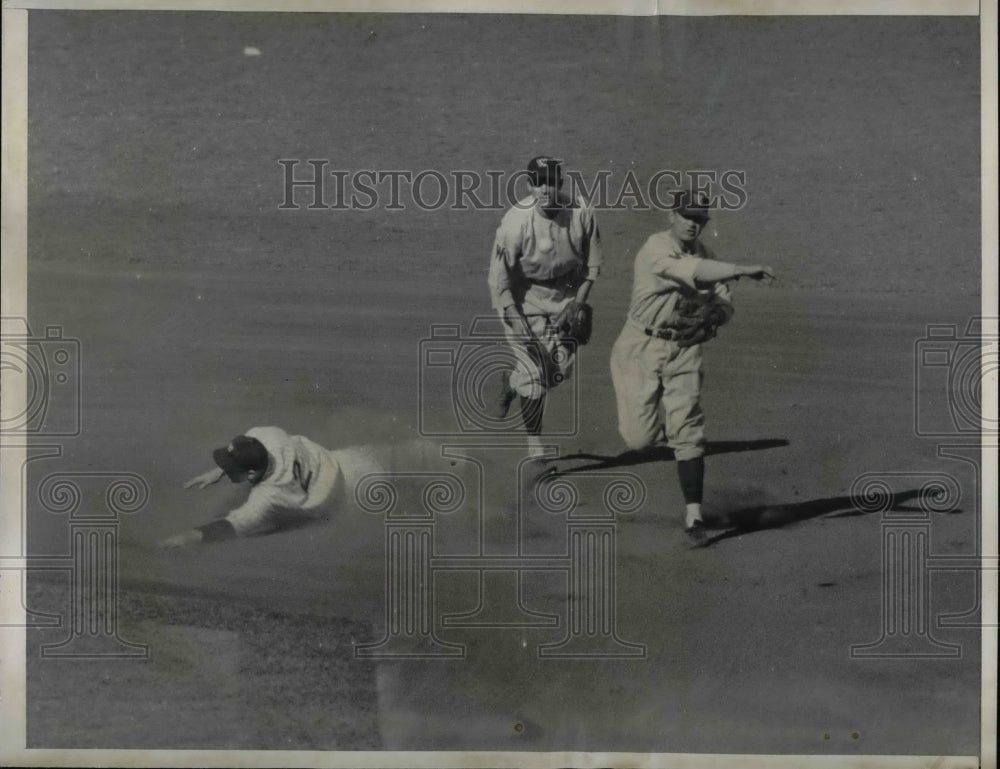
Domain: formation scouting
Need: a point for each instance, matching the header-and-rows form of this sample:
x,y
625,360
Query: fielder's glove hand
x,y
698,322
576,322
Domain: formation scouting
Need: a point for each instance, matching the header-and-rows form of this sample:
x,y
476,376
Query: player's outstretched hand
x,y
758,272
205,479
185,538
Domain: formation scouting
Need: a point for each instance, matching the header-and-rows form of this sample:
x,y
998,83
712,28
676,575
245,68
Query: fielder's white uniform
x,y
538,264
657,383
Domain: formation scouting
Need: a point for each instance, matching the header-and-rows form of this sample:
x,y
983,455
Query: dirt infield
x,y
202,309
219,674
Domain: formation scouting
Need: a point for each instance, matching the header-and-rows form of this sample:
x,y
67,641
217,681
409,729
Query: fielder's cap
x,y
545,170
242,454
691,204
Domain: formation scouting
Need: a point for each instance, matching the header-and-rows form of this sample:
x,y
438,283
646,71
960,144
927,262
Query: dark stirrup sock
x,y
531,412
692,476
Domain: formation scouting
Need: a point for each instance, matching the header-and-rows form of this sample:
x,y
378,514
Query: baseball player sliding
x,y
292,480
679,299
546,256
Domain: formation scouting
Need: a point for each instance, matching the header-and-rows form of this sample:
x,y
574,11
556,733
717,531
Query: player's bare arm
x,y
184,539
206,479
216,531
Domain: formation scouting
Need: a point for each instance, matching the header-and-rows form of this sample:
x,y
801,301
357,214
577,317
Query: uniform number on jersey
x,y
297,474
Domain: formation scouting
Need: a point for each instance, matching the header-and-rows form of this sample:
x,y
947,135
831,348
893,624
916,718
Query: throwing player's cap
x,y
545,170
242,454
691,204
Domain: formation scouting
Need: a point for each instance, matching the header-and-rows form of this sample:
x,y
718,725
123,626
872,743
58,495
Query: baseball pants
x,y
658,389
540,366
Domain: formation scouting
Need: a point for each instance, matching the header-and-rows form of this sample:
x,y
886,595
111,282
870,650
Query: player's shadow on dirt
x,y
664,454
760,517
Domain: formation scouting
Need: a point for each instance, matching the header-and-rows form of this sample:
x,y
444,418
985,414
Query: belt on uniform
x,y
563,281
668,334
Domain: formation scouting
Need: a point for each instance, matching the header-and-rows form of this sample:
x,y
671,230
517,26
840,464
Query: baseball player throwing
x,y
546,256
292,479
680,297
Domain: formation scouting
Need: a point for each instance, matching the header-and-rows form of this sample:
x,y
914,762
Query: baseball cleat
x,y
535,474
697,534
543,465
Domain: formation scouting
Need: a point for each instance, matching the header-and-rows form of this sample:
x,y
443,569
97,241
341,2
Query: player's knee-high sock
x,y
531,414
692,476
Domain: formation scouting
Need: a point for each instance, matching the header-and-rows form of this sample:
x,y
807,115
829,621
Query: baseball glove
x,y
698,321
576,322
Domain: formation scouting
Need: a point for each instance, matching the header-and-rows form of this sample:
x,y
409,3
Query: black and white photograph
x,y
575,386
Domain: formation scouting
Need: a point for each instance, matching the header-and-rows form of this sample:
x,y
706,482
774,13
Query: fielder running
x,y
546,256
680,298
292,480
